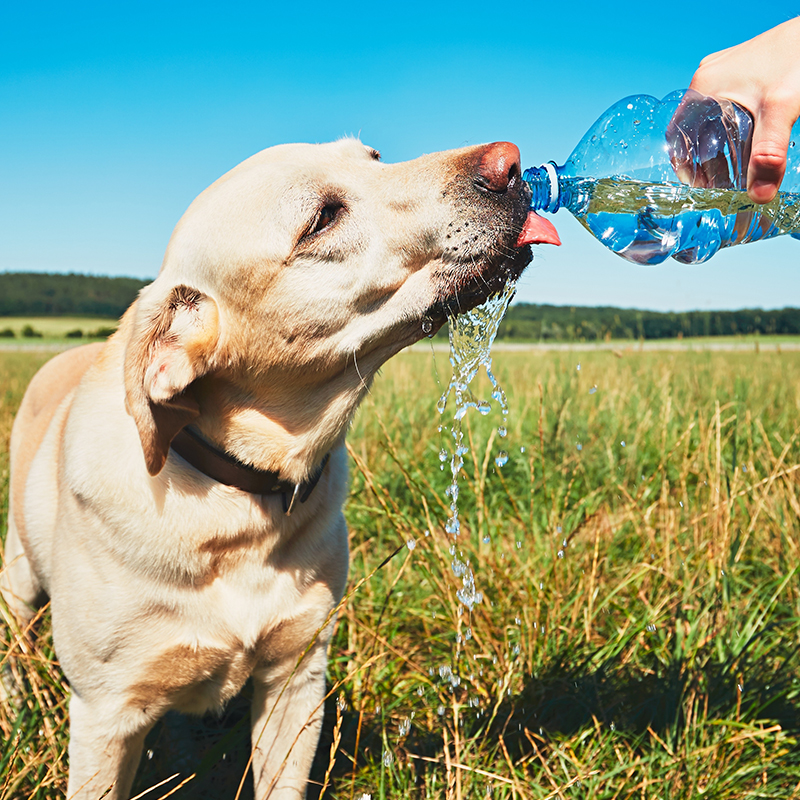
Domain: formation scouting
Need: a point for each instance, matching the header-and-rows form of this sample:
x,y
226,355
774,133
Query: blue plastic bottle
x,y
650,183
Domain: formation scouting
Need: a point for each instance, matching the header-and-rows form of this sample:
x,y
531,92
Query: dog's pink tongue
x,y
537,230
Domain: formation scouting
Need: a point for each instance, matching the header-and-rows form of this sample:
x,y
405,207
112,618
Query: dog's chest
x,y
228,630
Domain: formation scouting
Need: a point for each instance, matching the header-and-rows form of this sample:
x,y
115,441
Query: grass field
x,y
640,630
54,328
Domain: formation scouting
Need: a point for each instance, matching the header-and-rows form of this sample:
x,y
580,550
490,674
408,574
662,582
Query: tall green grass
x,y
640,630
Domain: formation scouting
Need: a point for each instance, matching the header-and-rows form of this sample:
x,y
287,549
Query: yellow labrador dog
x,y
177,491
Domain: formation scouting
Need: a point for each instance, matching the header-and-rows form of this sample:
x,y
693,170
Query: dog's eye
x,y
327,214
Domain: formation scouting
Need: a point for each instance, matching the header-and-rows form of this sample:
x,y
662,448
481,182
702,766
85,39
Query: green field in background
x,y
55,327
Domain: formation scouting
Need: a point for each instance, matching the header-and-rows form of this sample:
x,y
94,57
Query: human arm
x,y
763,76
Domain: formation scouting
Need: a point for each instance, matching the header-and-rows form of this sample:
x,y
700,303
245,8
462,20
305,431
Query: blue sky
x,y
113,117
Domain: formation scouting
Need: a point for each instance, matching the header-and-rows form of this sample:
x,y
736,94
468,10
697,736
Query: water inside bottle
x,y
648,222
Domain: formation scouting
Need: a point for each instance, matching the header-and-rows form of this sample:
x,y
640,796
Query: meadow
x,y
54,329
639,634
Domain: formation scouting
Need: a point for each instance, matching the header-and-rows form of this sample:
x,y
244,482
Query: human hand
x,y
763,76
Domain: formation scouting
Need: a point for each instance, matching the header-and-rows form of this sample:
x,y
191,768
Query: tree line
x,y
530,322
43,294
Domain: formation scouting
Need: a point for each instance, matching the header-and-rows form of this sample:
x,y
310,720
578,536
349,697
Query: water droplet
x,y
744,468
486,540
519,545
388,758
579,446
561,554
502,431
740,687
484,408
443,455
558,529
404,727
427,326
630,106
681,503
411,544
420,691
522,449
593,389
502,458
440,711
622,444
341,703
578,368
651,628
612,726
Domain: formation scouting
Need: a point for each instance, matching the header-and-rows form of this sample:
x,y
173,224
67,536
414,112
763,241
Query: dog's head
x,y
295,276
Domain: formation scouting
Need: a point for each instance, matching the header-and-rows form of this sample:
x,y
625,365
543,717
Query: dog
x,y
177,491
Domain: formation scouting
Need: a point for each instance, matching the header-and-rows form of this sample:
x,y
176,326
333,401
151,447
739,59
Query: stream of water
x,y
471,337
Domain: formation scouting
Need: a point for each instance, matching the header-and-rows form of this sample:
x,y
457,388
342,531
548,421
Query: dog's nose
x,y
498,167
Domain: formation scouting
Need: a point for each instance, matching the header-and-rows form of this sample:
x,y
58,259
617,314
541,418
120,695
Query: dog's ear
x,y
173,342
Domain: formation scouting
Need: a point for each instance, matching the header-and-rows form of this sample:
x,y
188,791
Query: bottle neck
x,y
545,187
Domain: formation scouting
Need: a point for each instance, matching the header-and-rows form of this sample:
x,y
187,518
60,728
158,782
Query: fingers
x,y
768,155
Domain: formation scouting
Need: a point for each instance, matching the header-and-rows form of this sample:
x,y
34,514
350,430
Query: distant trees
x,y
529,322
43,294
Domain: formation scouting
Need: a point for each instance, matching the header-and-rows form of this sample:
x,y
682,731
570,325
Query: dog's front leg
x,y
287,718
103,755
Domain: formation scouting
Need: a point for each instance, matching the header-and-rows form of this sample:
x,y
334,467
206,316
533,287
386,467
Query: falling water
x,y
471,338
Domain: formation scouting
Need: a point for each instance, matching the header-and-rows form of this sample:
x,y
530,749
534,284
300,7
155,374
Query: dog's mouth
x,y
465,284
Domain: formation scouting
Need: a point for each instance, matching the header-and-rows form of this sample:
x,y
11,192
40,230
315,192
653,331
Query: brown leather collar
x,y
224,468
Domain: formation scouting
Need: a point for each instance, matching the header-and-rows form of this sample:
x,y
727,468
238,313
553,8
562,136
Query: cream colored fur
x,y
263,329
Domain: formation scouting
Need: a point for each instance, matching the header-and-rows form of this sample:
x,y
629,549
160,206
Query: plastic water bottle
x,y
650,183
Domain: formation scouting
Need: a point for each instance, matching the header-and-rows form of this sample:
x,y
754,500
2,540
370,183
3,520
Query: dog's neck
x,y
288,434
224,468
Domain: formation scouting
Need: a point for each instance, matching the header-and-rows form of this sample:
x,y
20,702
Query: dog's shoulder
x,y
57,378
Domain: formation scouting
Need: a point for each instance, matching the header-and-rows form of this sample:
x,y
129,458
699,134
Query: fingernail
x,y
762,191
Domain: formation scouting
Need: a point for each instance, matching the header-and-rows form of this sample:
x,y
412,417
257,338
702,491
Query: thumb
x,y
768,154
